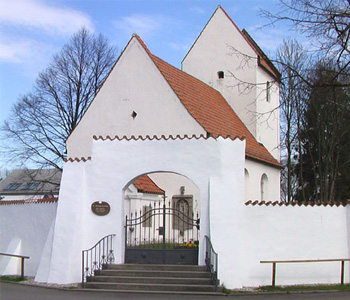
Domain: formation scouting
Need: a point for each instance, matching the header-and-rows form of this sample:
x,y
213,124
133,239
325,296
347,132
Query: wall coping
x,y
29,201
293,204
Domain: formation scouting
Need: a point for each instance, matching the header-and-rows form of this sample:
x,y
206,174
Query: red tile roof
x,y
144,184
210,109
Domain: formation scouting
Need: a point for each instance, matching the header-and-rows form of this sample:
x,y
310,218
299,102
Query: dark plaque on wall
x,y
100,208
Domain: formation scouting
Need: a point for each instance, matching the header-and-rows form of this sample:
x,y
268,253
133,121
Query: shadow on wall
x,y
11,265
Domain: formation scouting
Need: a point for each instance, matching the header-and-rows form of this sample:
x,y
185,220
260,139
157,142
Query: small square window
x,y
221,74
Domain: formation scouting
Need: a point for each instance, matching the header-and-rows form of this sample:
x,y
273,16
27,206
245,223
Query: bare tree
x,y
325,22
290,57
322,128
42,120
4,173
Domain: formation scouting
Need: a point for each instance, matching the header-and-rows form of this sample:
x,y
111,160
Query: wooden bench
x,y
18,256
274,262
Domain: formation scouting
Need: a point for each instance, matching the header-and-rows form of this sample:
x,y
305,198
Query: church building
x,y
179,157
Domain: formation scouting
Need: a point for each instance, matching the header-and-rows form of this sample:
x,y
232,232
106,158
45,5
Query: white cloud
x,y
143,25
31,29
13,51
197,10
34,14
25,51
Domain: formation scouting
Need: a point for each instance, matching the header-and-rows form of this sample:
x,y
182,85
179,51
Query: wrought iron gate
x,y
159,234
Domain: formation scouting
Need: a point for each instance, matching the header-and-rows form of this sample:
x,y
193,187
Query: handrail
x,y
100,254
22,257
274,262
211,261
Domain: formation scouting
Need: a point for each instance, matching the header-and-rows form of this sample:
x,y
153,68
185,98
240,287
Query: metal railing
x,y
160,225
211,261
22,257
93,259
274,262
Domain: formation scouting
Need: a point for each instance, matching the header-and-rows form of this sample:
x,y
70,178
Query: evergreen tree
x,y
325,139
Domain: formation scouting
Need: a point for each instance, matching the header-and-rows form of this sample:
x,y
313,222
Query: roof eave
x,y
274,71
274,164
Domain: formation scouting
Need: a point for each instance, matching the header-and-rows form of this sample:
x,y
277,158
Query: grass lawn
x,y
316,287
12,278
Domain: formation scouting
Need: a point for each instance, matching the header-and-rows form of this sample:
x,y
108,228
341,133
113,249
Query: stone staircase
x,y
153,278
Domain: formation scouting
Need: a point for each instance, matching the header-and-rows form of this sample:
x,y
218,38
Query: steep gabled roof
x,y
144,184
209,108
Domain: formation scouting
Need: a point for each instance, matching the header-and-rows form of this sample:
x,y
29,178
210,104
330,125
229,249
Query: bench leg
x,y
273,274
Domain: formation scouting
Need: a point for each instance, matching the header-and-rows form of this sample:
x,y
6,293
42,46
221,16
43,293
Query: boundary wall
x,y
24,229
271,231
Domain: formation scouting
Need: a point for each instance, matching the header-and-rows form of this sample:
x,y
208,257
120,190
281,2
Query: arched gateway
x,y
113,166
162,219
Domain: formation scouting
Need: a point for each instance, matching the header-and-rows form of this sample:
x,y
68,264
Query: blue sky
x,y
32,31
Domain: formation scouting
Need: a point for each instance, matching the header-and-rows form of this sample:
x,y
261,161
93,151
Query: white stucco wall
x,y
134,84
291,233
256,171
24,230
114,165
268,118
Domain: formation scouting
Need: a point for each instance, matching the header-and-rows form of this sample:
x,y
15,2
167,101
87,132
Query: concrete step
x,y
157,267
151,280
149,287
152,273
180,293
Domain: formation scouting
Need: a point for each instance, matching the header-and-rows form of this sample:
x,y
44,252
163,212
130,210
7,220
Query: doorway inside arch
x,y
162,220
